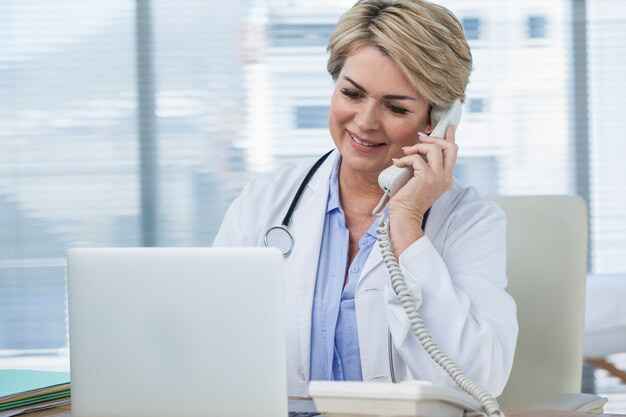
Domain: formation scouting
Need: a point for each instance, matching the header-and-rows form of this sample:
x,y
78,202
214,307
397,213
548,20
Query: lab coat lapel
x,y
307,227
374,258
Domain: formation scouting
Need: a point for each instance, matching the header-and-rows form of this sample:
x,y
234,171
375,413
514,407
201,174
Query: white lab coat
x,y
456,274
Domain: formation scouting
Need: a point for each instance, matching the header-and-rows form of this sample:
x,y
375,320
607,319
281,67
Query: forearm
x,y
464,307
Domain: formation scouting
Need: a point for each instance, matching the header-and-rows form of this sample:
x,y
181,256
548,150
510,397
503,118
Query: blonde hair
x,y
425,40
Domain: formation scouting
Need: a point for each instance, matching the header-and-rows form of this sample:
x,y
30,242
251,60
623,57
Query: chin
x,y
363,164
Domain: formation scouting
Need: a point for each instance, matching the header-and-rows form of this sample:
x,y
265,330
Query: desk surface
x,y
510,412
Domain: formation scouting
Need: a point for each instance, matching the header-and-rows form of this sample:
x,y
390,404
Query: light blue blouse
x,y
334,338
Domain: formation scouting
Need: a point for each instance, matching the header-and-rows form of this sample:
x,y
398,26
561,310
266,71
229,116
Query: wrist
x,y
407,215
404,231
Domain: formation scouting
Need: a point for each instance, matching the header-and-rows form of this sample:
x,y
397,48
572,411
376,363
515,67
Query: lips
x,y
363,142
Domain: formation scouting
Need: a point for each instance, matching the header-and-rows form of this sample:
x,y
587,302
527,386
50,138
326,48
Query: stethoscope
x,y
279,236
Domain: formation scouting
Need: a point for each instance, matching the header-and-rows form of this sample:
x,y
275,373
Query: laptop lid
x,y
177,331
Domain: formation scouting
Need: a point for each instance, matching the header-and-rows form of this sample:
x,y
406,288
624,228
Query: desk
x,y
511,412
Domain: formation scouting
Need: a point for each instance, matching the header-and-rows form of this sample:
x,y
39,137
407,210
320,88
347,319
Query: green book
x,y
26,387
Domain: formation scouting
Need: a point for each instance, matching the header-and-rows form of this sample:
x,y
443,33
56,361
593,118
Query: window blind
x,y
607,59
68,154
240,88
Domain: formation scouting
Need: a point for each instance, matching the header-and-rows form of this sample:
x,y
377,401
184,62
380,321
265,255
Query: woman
x,y
391,61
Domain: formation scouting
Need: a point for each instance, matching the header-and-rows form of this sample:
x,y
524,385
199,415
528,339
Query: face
x,y
374,112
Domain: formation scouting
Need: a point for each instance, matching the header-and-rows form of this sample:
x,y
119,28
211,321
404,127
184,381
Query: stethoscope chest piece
x,y
279,237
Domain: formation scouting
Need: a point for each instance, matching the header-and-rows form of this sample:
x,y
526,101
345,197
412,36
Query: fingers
x,y
449,135
432,161
429,146
432,156
448,146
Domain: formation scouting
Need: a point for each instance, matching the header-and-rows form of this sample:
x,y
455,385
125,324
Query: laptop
x,y
177,331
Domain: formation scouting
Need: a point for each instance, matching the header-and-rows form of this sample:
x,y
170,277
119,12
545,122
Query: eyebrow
x,y
388,97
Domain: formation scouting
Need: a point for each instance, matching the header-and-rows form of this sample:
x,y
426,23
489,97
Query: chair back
x,y
546,268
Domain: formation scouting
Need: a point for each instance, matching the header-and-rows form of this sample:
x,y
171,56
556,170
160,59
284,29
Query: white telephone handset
x,y
393,178
410,398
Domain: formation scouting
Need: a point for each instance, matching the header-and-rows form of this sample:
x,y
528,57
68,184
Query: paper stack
x,y
24,391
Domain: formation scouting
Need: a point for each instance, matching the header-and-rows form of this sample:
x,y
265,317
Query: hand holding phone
x,y
393,178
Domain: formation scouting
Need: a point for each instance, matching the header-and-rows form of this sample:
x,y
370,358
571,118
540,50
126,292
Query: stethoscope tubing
x,y
303,184
281,233
277,235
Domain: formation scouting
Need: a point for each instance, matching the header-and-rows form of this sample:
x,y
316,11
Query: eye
x,y
351,94
396,109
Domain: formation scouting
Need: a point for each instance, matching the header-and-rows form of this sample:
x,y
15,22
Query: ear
x,y
429,124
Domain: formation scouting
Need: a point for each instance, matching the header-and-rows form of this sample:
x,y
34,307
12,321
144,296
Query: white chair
x,y
546,267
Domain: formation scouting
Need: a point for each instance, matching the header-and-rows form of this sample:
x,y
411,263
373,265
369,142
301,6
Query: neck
x,y
359,193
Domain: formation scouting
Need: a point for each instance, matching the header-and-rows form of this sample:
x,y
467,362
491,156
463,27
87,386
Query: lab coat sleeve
x,y
233,231
460,292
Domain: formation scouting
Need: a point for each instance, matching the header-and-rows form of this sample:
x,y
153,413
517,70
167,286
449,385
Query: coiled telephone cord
x,y
417,324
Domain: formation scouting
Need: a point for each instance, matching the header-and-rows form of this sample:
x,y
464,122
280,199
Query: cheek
x,y
339,109
336,120
404,134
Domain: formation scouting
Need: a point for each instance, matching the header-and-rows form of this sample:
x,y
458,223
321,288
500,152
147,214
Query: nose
x,y
367,117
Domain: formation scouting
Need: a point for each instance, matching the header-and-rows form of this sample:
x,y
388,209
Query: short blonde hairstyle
x,y
425,40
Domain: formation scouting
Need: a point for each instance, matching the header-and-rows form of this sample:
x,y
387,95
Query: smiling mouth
x,y
363,143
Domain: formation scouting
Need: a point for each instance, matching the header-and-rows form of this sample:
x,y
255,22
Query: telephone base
x,y
407,399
